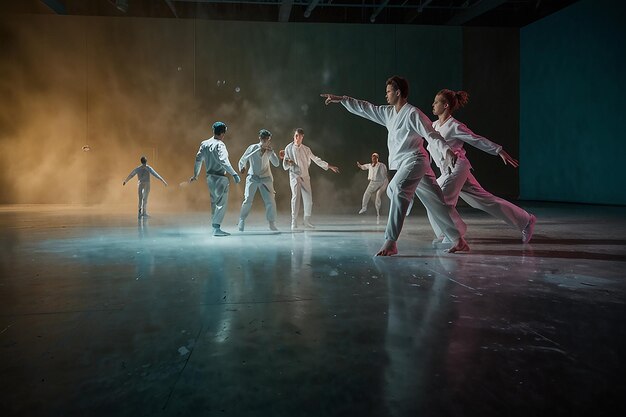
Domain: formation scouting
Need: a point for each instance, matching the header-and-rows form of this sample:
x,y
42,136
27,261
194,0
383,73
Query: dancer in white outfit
x,y
297,160
377,175
258,157
143,173
407,127
214,154
460,181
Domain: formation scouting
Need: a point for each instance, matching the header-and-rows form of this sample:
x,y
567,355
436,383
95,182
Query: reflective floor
x,y
104,315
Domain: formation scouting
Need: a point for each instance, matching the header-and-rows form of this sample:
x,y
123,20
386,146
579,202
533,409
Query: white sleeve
x,y
423,125
463,133
132,174
289,154
377,114
156,174
318,161
274,158
365,167
222,155
244,158
198,164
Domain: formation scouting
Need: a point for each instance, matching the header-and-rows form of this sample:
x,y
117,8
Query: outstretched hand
x,y
331,98
334,169
508,159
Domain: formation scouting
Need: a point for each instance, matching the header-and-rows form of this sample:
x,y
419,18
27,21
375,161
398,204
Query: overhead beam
x,y
476,10
312,5
55,5
378,10
172,8
410,17
285,11
122,5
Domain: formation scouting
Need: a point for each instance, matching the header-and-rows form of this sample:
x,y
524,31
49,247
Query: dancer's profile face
x,y
298,138
439,105
392,95
374,159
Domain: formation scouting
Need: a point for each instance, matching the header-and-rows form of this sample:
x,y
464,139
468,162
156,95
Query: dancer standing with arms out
x,y
143,173
214,154
408,127
297,160
459,182
259,156
377,175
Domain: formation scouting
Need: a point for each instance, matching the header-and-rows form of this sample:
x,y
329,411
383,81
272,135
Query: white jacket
x,y
302,157
407,129
456,134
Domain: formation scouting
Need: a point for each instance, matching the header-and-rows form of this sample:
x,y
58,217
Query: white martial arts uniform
x,y
259,178
143,186
407,130
377,175
299,178
214,154
461,182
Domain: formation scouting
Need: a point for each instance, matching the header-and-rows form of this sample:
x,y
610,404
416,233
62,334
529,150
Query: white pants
x,y
416,177
143,191
218,190
266,188
461,183
300,187
377,187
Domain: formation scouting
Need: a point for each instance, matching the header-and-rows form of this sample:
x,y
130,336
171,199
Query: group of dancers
x,y
410,173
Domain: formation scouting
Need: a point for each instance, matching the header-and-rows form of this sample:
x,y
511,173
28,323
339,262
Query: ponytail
x,y
455,100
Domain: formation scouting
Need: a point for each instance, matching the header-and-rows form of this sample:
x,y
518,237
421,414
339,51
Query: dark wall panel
x,y
491,77
572,104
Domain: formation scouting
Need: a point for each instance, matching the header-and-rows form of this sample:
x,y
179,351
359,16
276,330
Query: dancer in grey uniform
x,y
459,181
377,175
143,173
214,154
408,127
258,157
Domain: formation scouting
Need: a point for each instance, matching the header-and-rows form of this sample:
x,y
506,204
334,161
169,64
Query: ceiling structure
x,y
490,13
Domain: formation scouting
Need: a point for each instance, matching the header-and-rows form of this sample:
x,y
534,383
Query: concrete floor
x,y
102,315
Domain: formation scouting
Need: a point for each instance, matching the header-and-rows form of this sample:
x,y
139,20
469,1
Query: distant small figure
x,y
377,174
143,172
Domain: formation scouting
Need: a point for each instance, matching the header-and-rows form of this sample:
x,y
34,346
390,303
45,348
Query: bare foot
x,y
461,246
389,248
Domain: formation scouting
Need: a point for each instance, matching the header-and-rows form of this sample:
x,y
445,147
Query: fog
x,y
83,98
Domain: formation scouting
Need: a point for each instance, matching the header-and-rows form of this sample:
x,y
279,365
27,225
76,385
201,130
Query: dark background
x,y
128,86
